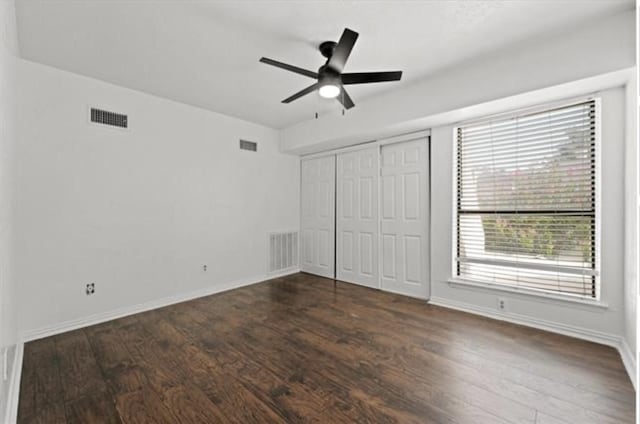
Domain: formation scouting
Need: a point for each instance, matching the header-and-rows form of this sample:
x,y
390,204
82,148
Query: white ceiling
x,y
205,53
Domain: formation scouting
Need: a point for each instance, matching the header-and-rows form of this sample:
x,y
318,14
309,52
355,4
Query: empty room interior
x,y
318,211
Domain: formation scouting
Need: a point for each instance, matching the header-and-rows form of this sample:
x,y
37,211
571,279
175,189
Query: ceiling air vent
x,y
108,118
248,145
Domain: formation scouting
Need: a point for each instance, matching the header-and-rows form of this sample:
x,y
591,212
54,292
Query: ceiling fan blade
x,y
368,77
288,67
342,50
301,93
345,99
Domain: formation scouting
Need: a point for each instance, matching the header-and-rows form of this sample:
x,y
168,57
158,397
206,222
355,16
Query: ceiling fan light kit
x,y
330,80
329,84
329,91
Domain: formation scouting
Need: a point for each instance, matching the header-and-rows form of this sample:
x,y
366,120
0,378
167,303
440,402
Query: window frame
x,y
456,279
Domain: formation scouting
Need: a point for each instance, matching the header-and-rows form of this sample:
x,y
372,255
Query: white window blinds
x,y
526,211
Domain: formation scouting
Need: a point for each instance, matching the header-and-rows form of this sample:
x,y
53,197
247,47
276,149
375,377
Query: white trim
x,y
454,201
530,110
528,292
333,152
554,93
515,263
82,322
614,341
629,361
598,194
14,385
400,138
412,296
405,137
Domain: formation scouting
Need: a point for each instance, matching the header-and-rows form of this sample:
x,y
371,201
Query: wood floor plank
x,y
237,403
109,350
143,407
40,385
190,405
303,348
158,364
52,413
120,372
79,371
96,408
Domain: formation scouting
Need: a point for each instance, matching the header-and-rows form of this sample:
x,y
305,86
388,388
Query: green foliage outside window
x,y
558,183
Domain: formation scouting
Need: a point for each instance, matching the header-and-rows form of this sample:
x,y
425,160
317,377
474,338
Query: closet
x,y
365,215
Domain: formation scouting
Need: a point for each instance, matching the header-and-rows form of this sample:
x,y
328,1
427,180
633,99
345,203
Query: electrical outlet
x,y
502,303
204,268
91,289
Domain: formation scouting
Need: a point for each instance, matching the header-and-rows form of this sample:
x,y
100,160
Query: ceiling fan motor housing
x,y
327,74
326,48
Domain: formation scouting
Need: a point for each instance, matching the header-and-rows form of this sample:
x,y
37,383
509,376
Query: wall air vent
x,y
111,119
248,145
283,251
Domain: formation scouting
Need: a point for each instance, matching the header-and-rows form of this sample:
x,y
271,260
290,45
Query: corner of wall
x,y
9,345
628,356
632,175
13,392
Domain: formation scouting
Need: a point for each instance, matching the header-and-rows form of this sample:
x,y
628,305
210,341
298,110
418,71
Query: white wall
x,y
8,307
137,212
583,319
593,49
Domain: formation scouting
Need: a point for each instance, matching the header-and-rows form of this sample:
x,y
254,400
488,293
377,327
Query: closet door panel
x,y
357,217
404,219
318,216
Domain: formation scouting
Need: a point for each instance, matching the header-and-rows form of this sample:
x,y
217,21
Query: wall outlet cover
x,y
502,304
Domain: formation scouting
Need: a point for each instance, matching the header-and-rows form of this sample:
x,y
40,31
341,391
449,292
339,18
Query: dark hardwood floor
x,y
298,349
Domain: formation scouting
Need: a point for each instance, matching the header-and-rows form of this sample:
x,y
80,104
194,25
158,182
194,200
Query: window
x,y
526,201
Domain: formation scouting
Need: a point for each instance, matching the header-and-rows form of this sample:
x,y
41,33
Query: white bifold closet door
x,y
404,209
357,217
318,216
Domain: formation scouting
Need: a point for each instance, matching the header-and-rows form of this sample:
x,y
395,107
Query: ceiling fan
x,y
330,78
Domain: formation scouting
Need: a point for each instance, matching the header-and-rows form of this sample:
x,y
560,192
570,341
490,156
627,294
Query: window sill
x,y
526,292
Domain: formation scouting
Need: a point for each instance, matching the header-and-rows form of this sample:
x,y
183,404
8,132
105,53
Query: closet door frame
x,y
422,134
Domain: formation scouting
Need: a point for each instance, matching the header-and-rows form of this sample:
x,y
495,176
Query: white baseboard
x,y
14,386
87,321
629,361
614,341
